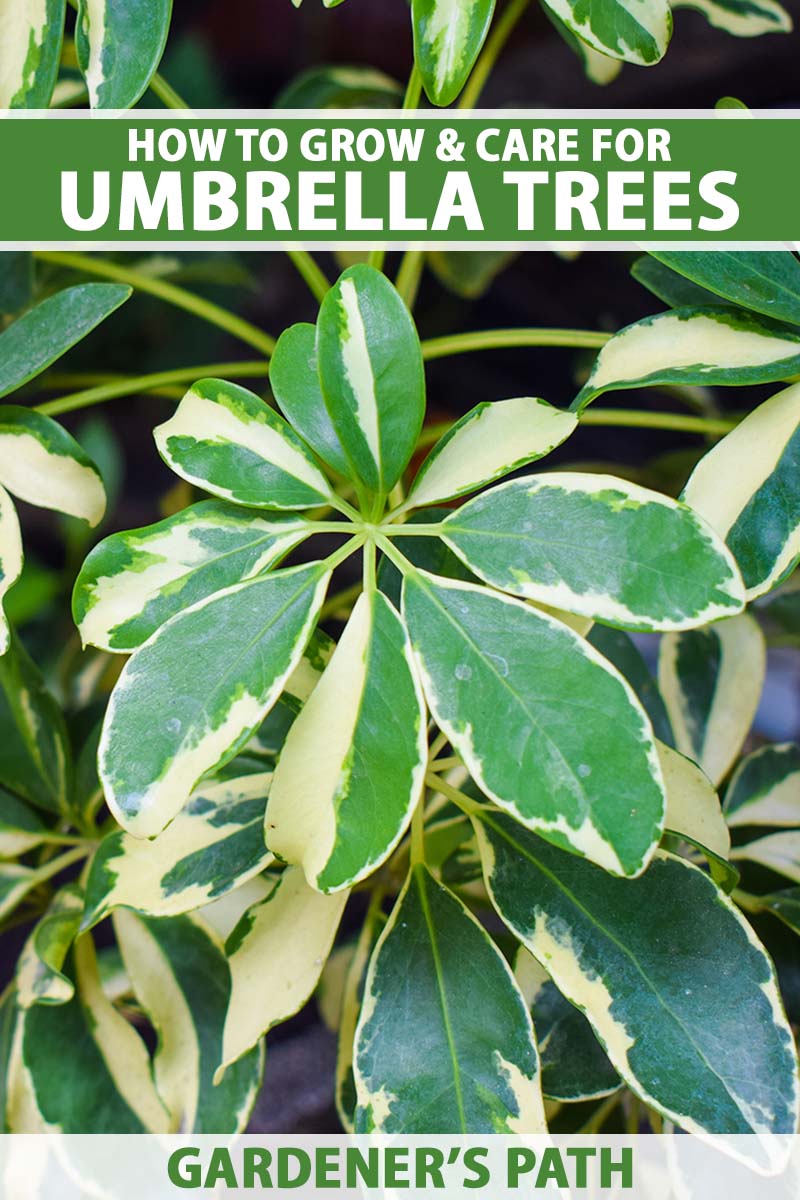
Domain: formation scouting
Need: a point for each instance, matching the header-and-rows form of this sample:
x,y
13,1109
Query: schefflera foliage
x,y
470,633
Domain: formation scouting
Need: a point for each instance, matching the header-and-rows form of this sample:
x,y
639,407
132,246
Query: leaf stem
x,y
318,282
446,764
601,1114
166,93
413,90
461,799
394,555
339,603
506,339
168,292
410,275
501,32
369,571
411,530
635,419
132,385
344,552
418,835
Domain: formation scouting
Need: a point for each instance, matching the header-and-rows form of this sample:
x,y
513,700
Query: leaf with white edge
x,y
182,980
575,1066
40,975
766,282
693,808
215,844
779,852
43,464
31,32
119,45
490,441
742,18
599,67
227,441
104,1080
672,978
785,906
294,379
635,31
10,559
353,767
598,546
8,1026
694,346
619,649
564,746
448,36
765,788
34,746
276,955
429,553
193,695
20,828
371,374
224,915
35,340
133,582
346,1100
757,512
674,290
711,681
471,1066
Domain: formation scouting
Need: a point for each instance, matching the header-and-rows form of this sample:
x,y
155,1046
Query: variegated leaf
x,y
31,32
133,582
548,729
471,1066
215,844
346,1100
119,45
10,559
8,1025
785,906
757,511
371,373
104,1081
352,769
41,463
742,18
448,36
779,852
34,747
20,827
490,441
294,379
598,546
619,649
766,282
711,681
575,1066
182,980
675,983
674,290
35,340
693,807
765,788
276,955
636,31
694,345
40,975
192,696
228,442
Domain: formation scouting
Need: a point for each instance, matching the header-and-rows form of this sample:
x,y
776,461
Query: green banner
x,y
486,178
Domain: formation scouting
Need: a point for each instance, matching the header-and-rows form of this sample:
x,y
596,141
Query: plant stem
x,y
437,745
410,530
60,864
506,339
369,567
501,32
418,835
166,93
414,89
168,292
341,600
132,385
464,802
634,419
410,275
446,764
318,282
601,1114
344,552
394,555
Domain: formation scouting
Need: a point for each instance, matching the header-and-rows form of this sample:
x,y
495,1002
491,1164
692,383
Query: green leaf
x,y
8,1027
779,852
785,906
10,559
346,1100
16,281
694,346
340,87
619,649
711,681
471,1065
448,36
598,546
34,341
636,31
429,553
765,788
44,465
547,728
766,282
215,844
133,582
673,289
32,35
182,980
742,18
228,442
40,975
353,767
103,1083
757,511
677,987
469,273
490,441
119,45
373,382
574,1065
294,379
192,696
20,828
276,955
34,748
